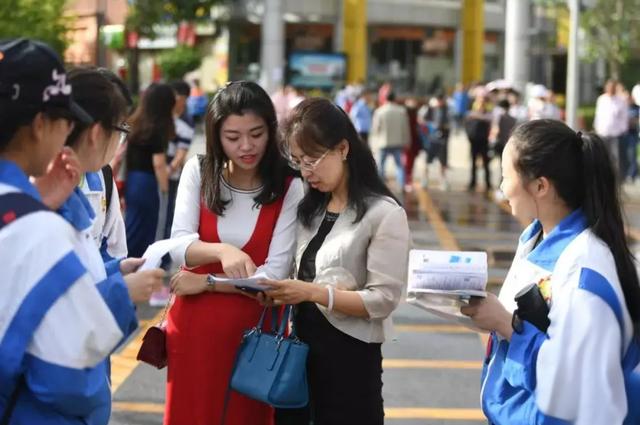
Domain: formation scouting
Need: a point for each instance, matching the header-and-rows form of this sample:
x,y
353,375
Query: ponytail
x,y
583,174
601,206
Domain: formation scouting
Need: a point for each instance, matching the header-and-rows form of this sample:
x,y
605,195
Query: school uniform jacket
x,y
108,229
572,374
55,327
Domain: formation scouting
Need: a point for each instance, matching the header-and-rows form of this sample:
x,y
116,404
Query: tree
x,y
612,32
611,29
177,62
39,19
144,15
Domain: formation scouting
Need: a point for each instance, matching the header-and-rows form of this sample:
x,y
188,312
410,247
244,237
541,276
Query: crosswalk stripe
x,y
433,413
430,364
390,412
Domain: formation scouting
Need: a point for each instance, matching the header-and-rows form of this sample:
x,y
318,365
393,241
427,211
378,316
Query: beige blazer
x,y
374,252
390,126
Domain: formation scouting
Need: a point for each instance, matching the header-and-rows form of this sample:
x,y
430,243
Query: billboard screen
x,y
316,70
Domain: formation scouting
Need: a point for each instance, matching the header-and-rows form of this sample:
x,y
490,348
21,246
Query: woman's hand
x,y
489,314
293,291
130,265
266,301
142,284
187,283
63,175
236,264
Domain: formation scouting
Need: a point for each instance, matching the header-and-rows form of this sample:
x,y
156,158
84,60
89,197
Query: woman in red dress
x,y
241,199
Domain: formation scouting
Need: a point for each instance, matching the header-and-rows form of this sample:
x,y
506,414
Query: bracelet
x,y
330,302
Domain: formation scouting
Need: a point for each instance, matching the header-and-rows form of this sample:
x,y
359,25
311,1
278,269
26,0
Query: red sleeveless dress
x,y
203,336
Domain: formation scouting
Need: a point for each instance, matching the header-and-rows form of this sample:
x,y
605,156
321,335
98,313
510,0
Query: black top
x,y
140,153
307,269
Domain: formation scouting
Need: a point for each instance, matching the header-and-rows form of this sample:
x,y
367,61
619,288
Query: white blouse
x,y
237,224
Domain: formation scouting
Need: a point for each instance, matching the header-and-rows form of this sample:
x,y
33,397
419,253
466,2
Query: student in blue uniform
x,y
575,251
55,328
95,144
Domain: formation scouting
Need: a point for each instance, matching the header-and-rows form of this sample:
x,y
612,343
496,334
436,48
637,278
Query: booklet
x,y
441,282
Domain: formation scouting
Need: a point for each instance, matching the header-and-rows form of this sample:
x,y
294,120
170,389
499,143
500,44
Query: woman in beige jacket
x,y
351,261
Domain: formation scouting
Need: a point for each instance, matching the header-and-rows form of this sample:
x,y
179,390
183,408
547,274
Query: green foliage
x,y
611,30
38,19
587,114
144,14
177,62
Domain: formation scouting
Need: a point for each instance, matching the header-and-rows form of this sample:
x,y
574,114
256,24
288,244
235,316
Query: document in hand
x,y
249,284
154,253
443,281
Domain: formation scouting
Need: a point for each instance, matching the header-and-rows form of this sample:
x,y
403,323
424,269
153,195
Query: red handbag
x,y
153,349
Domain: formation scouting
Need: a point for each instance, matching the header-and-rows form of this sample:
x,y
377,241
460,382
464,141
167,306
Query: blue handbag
x,y
271,367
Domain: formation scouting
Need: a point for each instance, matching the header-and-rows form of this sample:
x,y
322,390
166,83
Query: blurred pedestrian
x,y
461,103
390,129
361,115
412,150
477,126
152,126
611,120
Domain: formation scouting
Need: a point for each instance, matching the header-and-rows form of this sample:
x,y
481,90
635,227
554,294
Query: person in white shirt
x,y
611,119
241,199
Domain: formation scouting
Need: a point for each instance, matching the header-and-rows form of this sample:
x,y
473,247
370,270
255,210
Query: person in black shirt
x,y
478,125
147,170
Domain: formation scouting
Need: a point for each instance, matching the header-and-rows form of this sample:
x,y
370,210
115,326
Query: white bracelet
x,y
330,302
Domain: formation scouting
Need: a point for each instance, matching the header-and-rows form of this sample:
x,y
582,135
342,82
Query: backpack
x,y
631,358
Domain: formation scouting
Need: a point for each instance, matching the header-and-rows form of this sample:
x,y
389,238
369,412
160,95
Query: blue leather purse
x,y
272,367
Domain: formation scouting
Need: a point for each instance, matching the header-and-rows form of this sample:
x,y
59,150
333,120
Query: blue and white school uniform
x,y
108,230
572,374
77,211
55,327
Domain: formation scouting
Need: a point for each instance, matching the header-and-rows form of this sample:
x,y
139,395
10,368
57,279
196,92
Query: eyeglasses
x,y
124,129
306,165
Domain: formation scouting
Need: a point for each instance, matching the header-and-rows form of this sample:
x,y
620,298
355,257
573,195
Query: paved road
x,y
432,368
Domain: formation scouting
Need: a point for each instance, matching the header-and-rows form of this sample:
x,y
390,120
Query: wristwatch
x,y
516,323
211,282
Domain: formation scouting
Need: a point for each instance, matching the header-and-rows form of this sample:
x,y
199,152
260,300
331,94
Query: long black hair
x,y
154,115
316,124
99,97
239,98
582,172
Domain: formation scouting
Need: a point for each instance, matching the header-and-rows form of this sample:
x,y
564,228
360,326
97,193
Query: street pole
x,y
573,72
516,58
272,49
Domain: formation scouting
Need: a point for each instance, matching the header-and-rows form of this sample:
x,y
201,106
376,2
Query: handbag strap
x,y
6,417
274,319
166,308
